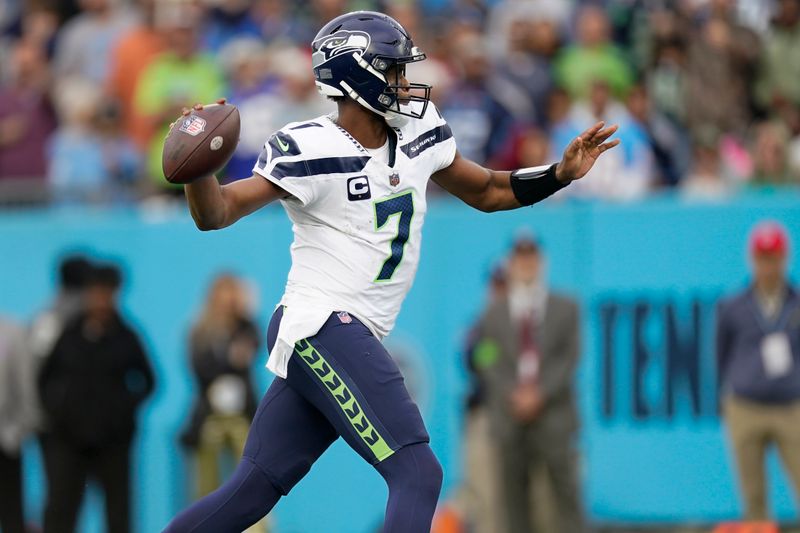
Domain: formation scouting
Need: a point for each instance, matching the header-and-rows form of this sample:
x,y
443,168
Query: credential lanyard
x,y
789,306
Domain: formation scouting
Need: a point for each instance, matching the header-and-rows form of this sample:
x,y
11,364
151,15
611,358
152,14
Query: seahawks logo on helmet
x,y
341,42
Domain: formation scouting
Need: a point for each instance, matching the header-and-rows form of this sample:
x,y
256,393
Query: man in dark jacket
x,y
46,328
529,348
90,386
758,359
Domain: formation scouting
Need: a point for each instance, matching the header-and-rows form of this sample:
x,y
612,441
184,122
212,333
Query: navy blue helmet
x,y
352,55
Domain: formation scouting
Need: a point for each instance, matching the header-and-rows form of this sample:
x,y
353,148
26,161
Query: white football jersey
x,y
357,221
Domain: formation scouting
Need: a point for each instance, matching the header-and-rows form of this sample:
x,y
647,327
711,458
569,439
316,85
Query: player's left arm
x,y
496,190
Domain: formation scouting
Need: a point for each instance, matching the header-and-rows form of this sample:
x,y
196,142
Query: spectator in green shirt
x,y
177,78
593,58
779,78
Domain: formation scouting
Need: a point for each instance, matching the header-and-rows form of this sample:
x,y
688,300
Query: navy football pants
x,y
340,382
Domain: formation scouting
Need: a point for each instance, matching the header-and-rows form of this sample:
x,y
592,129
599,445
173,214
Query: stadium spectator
x,y
227,20
666,77
37,24
9,15
90,387
136,49
253,89
523,71
700,64
271,87
705,180
278,23
222,346
73,273
16,393
792,120
480,122
559,105
770,156
178,77
553,15
528,147
46,328
26,116
408,15
316,13
90,159
592,58
720,70
299,96
779,76
625,175
530,348
758,361
40,25
85,41
68,9
668,141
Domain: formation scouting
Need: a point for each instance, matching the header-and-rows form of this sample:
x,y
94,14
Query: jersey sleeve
x,y
278,161
431,138
446,145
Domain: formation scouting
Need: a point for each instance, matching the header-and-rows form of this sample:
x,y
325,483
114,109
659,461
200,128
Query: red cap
x,y
769,238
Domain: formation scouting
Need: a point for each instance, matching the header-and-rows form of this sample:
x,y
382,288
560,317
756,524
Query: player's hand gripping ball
x,y
200,142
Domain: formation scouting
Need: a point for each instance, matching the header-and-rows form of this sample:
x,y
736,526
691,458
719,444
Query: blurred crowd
x,y
706,92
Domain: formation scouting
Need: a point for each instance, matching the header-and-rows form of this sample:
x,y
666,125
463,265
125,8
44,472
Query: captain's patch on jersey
x,y
358,188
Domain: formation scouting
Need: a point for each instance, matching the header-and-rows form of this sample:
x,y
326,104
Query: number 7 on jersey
x,y
403,205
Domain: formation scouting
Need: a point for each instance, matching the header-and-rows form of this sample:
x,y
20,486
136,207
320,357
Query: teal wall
x,y
647,276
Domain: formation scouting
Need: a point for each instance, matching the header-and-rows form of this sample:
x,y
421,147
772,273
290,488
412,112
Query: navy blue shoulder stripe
x,y
307,125
426,140
324,165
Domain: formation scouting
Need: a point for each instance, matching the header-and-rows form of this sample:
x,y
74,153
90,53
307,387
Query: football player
x,y
353,183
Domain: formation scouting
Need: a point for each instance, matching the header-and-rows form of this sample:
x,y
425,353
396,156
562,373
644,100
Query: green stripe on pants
x,y
344,399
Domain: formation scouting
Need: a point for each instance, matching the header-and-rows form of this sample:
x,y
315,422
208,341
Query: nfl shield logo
x,y
344,317
193,125
394,179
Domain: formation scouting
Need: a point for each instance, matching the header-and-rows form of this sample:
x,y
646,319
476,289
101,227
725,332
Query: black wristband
x,y
531,185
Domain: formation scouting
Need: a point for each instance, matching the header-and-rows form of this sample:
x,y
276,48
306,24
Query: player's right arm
x,y
215,207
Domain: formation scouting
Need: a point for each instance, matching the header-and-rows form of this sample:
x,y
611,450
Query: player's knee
x,y
431,475
414,468
245,498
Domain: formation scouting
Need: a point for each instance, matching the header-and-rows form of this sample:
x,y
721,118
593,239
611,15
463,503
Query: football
x,y
199,144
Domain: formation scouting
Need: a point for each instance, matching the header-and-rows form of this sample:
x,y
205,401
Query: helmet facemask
x,y
398,97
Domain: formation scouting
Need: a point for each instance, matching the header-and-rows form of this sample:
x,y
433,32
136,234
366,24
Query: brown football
x,y
200,143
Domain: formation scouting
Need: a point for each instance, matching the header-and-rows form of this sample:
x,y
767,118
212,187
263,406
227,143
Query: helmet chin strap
x,y
393,120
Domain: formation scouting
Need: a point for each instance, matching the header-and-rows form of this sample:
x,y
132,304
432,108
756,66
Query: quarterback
x,y
353,184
